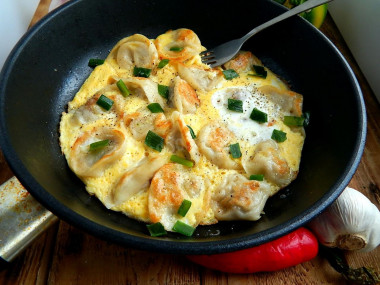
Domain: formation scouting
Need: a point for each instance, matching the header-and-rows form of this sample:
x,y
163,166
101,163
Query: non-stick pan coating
x,y
49,65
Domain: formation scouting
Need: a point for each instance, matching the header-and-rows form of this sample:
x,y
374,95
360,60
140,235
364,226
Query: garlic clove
x,y
352,222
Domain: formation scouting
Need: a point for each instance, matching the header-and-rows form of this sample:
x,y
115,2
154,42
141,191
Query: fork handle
x,y
298,9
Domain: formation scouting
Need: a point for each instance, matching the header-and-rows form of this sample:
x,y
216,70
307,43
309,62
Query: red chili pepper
x,y
294,248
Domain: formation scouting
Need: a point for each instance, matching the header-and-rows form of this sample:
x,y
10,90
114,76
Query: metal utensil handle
x,y
294,11
22,219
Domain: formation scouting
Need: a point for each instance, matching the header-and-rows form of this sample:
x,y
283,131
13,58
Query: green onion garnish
x,y
181,160
278,135
176,48
155,108
306,115
163,63
235,150
104,102
182,228
230,74
141,72
154,141
123,88
192,132
259,71
94,62
235,105
258,177
156,229
259,116
294,121
184,208
163,90
99,144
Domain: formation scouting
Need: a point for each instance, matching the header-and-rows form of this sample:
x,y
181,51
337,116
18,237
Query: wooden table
x,y
67,255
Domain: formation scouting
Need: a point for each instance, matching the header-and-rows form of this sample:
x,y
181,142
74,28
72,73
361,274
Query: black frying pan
x,y
49,64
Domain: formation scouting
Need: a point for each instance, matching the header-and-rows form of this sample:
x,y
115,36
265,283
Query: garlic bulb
x,y
351,223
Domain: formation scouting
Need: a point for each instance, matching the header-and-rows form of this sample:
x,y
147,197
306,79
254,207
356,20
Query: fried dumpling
x,y
137,50
242,62
135,179
87,162
214,140
171,184
145,88
268,161
200,78
289,101
91,111
143,120
180,140
183,96
238,198
178,45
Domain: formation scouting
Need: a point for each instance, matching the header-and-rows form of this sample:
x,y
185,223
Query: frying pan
x,y
49,64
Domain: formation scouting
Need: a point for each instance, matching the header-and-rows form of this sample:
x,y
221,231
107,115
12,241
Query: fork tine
x,y
206,53
209,61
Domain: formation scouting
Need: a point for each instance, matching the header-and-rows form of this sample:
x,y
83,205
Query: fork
x,y
224,52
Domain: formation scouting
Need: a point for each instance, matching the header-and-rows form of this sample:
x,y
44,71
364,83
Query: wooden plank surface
x,y
67,255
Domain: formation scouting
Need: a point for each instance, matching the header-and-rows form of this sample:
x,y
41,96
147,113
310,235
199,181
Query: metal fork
x,y
224,52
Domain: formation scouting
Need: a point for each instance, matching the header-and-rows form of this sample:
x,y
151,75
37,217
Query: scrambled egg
x,y
122,150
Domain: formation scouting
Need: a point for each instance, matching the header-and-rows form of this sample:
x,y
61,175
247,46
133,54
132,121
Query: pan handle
x,y
22,219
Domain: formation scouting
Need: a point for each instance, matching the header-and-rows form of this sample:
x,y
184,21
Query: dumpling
x,y
135,179
238,198
200,78
214,141
171,184
183,96
178,45
180,140
137,50
91,111
92,163
146,89
268,161
242,62
290,102
143,120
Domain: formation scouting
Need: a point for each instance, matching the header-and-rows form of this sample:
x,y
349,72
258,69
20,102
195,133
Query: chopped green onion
x,y
141,72
258,177
235,105
259,116
176,48
293,121
184,229
184,208
156,229
192,132
104,102
163,90
259,71
230,74
181,160
278,135
306,115
123,88
235,150
163,63
154,141
94,62
155,108
99,144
